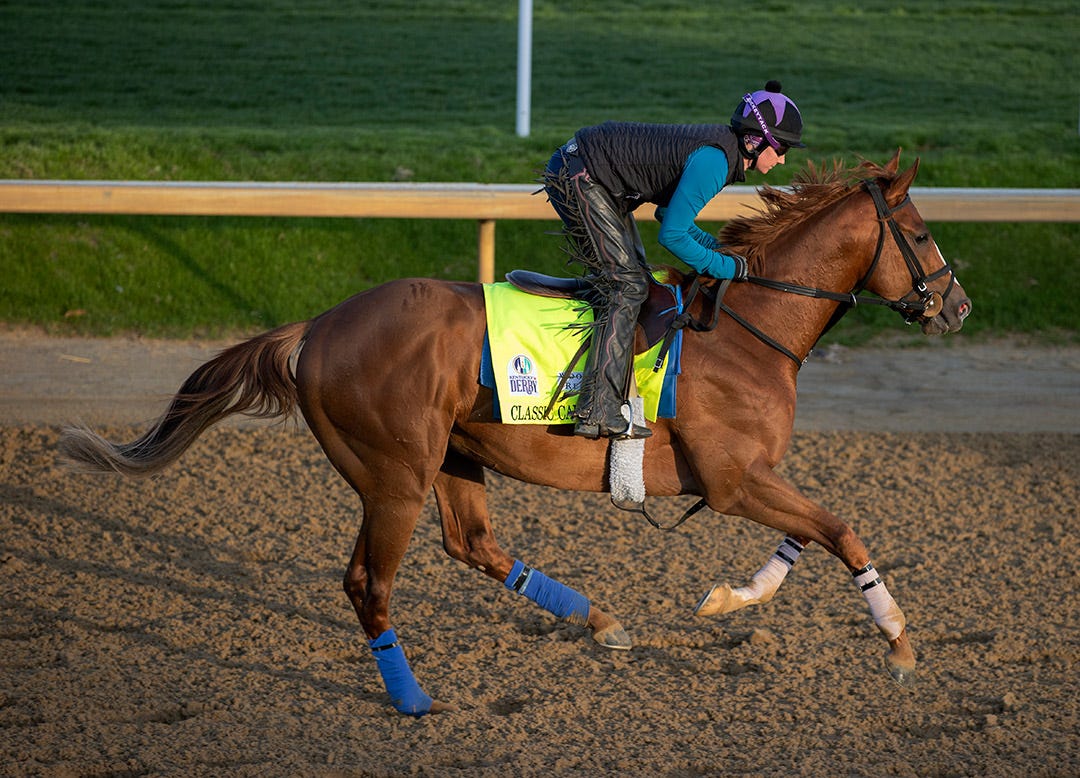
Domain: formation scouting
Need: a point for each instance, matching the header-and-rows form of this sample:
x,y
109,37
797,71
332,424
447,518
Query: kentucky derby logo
x,y
521,374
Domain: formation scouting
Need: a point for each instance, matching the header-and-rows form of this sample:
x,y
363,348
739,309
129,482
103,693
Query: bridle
x,y
926,303
921,303
929,304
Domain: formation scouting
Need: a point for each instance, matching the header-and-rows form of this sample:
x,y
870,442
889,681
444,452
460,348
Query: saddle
x,y
661,317
656,317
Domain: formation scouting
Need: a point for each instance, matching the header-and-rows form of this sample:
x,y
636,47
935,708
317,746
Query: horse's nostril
x,y
965,309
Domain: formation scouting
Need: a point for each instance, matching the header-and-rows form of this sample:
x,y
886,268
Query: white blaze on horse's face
x,y
946,313
936,302
965,307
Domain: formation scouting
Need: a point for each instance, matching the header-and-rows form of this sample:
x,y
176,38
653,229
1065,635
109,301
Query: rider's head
x,y
767,118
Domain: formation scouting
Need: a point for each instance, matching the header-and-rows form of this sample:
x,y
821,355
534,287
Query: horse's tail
x,y
253,378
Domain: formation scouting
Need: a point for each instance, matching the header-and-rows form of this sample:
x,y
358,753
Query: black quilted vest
x,y
641,163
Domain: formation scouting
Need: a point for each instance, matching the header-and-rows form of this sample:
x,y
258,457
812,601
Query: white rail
x,y
485,203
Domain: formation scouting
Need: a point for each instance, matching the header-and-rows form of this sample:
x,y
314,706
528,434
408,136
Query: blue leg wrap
x,y
399,680
551,595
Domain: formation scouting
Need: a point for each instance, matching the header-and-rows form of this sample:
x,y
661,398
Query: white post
x,y
524,66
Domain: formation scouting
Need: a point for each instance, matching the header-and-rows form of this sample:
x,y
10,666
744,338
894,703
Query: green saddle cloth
x,y
530,342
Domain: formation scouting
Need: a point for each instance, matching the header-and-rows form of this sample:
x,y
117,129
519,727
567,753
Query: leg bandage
x,y
549,594
767,580
886,613
400,683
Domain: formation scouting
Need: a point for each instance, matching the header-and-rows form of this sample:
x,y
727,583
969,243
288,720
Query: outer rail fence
x,y
485,203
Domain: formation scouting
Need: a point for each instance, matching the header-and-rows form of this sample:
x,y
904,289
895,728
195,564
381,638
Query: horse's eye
x,y
922,238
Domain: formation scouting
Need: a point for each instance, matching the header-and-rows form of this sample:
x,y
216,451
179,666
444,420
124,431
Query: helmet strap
x,y
751,154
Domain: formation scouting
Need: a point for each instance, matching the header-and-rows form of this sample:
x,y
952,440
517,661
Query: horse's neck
x,y
830,251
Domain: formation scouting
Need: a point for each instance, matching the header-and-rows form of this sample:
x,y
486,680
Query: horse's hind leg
x,y
469,538
393,495
384,535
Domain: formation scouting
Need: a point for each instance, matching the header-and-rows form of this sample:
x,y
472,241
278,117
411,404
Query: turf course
x,y
424,90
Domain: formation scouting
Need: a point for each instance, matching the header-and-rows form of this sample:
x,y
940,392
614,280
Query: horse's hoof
x,y
613,637
442,707
902,672
607,631
900,660
720,599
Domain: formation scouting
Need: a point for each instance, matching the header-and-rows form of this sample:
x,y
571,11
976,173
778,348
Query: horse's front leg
x,y
764,584
767,499
469,538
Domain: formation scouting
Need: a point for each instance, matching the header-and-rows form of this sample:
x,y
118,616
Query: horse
x,y
387,383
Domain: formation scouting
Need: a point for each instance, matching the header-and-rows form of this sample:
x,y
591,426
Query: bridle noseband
x,y
920,303
929,304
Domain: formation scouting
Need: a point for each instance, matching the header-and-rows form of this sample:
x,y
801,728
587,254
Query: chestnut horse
x,y
387,382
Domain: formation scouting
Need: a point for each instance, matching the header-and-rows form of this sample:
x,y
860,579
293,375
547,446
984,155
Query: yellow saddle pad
x,y
530,342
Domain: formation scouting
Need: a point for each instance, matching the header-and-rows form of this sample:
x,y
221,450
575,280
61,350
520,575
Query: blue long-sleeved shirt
x,y
702,178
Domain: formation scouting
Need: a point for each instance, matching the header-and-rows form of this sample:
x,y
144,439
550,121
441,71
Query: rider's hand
x,y
740,267
661,210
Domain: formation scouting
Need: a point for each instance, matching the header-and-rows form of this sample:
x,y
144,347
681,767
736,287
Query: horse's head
x,y
836,233
908,268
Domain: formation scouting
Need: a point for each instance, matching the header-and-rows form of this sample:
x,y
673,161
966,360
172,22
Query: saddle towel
x,y
529,343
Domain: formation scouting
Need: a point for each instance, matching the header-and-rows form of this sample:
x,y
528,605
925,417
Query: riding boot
x,y
604,238
601,404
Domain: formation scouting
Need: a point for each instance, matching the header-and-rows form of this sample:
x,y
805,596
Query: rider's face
x,y
768,159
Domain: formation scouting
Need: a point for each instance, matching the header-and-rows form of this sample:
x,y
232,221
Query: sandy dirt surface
x,y
194,625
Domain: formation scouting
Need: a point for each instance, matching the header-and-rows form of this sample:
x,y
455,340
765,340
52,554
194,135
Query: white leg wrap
x,y
767,580
887,614
627,461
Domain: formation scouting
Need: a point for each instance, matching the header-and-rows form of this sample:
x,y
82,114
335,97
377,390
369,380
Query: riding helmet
x,y
778,112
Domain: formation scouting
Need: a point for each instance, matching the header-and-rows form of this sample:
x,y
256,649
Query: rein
x,y
928,304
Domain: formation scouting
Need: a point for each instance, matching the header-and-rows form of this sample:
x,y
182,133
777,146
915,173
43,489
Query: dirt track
x,y
194,624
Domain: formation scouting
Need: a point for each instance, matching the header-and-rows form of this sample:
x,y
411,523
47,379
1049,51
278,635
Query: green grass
x,y
180,90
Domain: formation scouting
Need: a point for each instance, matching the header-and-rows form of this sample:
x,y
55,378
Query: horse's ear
x,y
894,164
898,189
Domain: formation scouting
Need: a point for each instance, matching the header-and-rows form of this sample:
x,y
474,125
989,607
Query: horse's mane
x,y
812,190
